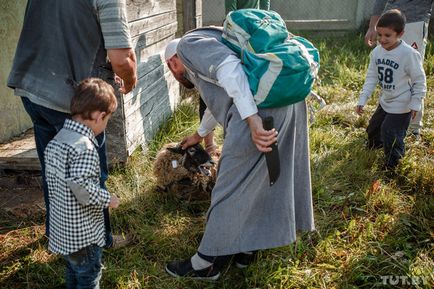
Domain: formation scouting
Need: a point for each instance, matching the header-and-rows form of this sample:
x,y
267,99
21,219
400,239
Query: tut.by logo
x,y
404,280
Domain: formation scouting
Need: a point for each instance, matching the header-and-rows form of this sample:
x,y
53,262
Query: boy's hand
x,y
371,37
413,114
371,34
114,202
359,109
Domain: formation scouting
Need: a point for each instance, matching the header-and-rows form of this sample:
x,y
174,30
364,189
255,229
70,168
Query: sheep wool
x,y
172,177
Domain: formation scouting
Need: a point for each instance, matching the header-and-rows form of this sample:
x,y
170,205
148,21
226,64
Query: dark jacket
x,y
60,44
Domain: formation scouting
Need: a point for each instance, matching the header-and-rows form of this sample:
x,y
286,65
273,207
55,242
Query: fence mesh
x,y
306,14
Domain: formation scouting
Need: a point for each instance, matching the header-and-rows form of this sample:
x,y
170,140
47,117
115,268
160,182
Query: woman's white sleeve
x,y
207,124
233,79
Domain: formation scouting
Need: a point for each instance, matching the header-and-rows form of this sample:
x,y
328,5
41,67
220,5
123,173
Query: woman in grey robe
x,y
246,213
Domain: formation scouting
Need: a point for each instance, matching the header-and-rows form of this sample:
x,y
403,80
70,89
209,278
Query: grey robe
x,y
247,214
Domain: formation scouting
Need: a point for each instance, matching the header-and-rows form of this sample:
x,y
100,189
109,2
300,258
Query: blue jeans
x,y
46,124
83,268
388,130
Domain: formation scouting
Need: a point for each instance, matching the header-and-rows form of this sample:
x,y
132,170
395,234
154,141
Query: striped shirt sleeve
x,y
114,23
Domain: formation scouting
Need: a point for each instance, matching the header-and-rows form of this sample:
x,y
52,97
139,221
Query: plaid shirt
x,y
76,198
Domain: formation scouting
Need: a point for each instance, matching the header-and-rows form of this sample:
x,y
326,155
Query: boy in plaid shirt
x,y
73,175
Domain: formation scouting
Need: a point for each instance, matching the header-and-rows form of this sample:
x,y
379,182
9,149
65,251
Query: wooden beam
x,y
139,9
143,25
192,14
20,153
328,24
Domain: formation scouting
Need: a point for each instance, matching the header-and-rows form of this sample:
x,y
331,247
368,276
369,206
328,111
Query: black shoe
x,y
389,171
416,135
185,269
242,260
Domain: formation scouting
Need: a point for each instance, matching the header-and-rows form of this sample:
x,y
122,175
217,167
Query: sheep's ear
x,y
191,150
177,150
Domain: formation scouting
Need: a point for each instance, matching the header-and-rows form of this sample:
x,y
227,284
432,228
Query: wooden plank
x,y
20,153
152,108
198,7
146,130
156,35
146,86
9,149
169,91
116,132
198,20
139,9
144,67
179,15
198,17
150,23
22,165
189,8
160,90
151,116
152,37
157,48
143,118
329,24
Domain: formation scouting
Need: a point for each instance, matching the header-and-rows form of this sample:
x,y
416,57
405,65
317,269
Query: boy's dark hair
x,y
93,94
393,19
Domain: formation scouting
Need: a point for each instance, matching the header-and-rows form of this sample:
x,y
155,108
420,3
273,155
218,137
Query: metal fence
x,y
306,14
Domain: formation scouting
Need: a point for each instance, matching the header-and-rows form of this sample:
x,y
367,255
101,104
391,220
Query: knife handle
x,y
268,124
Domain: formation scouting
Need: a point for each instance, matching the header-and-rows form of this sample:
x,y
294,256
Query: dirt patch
x,y
21,195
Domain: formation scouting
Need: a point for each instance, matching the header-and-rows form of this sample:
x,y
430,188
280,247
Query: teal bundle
x,y
280,67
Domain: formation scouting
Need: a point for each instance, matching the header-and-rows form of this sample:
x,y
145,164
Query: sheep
x,y
187,174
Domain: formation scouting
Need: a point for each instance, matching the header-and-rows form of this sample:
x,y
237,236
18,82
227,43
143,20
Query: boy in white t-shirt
x,y
397,68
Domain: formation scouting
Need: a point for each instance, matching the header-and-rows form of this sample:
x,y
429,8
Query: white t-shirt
x,y
400,74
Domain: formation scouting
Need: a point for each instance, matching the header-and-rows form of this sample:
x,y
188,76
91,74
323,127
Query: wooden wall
x,y
13,118
152,24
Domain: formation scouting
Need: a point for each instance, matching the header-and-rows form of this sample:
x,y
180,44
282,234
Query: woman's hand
x,y
191,140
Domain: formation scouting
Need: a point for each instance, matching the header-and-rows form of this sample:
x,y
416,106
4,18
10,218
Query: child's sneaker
x,y
185,269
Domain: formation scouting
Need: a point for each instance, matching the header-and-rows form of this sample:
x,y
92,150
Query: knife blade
x,y
272,158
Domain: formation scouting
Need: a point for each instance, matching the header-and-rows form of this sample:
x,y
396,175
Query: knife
x,y
272,158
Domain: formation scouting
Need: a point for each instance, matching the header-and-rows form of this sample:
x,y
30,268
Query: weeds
x,y
370,227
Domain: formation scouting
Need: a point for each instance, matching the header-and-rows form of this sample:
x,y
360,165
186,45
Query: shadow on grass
x,y
164,229
25,261
400,255
363,232
374,230
384,222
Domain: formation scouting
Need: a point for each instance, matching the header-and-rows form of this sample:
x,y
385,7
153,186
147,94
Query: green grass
x,y
368,225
